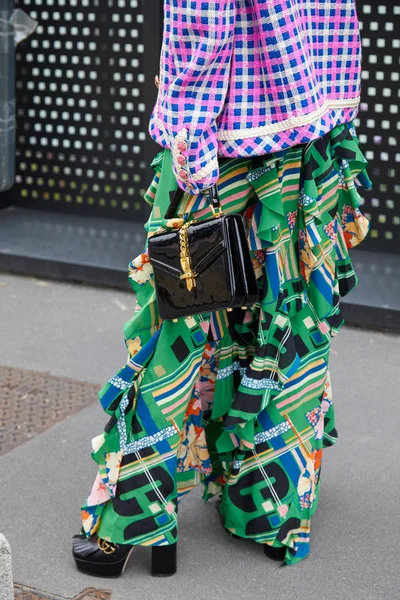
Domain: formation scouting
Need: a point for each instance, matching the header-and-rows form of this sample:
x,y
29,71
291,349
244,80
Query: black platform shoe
x,y
275,553
95,556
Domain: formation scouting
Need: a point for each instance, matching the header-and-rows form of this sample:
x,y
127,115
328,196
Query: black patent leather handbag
x,y
204,265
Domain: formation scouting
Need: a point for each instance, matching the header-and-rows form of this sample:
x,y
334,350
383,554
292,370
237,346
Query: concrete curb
x,y
6,580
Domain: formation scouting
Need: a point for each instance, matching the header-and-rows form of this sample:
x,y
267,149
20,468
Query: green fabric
x,y
239,401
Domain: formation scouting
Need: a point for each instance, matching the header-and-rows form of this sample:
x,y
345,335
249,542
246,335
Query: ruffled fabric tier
x,y
306,219
240,401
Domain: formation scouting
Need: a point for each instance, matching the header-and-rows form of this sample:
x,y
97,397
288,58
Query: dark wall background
x,y
378,123
86,89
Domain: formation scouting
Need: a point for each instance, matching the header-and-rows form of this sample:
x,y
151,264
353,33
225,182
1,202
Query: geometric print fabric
x,y
239,401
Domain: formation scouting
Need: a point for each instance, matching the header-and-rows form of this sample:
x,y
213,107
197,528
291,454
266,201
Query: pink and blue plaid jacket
x,y
240,78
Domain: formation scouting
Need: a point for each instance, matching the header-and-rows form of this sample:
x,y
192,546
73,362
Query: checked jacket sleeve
x,y
196,58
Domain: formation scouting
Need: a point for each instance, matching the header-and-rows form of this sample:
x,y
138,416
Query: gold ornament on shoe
x,y
106,547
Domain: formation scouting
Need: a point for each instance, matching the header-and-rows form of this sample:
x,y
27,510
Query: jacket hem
x,y
274,137
288,124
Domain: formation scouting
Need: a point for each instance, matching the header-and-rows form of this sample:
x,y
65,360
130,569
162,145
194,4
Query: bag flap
x,y
201,265
207,240
164,266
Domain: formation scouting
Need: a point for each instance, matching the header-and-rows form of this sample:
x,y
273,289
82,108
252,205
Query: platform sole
x,y
109,570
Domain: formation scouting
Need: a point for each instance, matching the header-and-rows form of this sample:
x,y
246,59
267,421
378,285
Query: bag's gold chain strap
x,y
188,274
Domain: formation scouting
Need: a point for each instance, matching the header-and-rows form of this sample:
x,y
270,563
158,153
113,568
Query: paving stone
x,y
22,592
32,402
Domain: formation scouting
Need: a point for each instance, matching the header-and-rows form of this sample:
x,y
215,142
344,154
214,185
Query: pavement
x,y
72,331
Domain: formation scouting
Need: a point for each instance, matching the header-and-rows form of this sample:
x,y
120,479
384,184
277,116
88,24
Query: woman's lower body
x,y
240,401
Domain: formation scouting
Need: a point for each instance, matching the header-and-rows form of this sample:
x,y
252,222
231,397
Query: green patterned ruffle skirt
x,y
239,401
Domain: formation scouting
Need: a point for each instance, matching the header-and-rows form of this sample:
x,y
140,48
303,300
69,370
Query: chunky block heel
x,y
163,560
102,570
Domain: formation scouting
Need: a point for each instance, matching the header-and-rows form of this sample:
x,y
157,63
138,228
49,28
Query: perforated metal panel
x,y
85,91
379,121
81,106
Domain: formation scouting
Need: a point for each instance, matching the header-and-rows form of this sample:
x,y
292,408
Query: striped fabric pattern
x,y
242,78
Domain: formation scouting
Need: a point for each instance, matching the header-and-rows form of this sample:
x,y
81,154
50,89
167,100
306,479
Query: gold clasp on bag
x,y
217,212
215,204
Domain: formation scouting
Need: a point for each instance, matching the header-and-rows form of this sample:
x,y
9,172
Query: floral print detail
x,y
258,260
327,396
257,173
308,480
90,521
276,431
97,442
113,463
228,371
352,131
307,259
140,269
100,492
205,384
291,219
315,418
193,451
103,488
267,383
331,230
342,176
355,226
304,199
134,345
119,383
259,256
149,440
